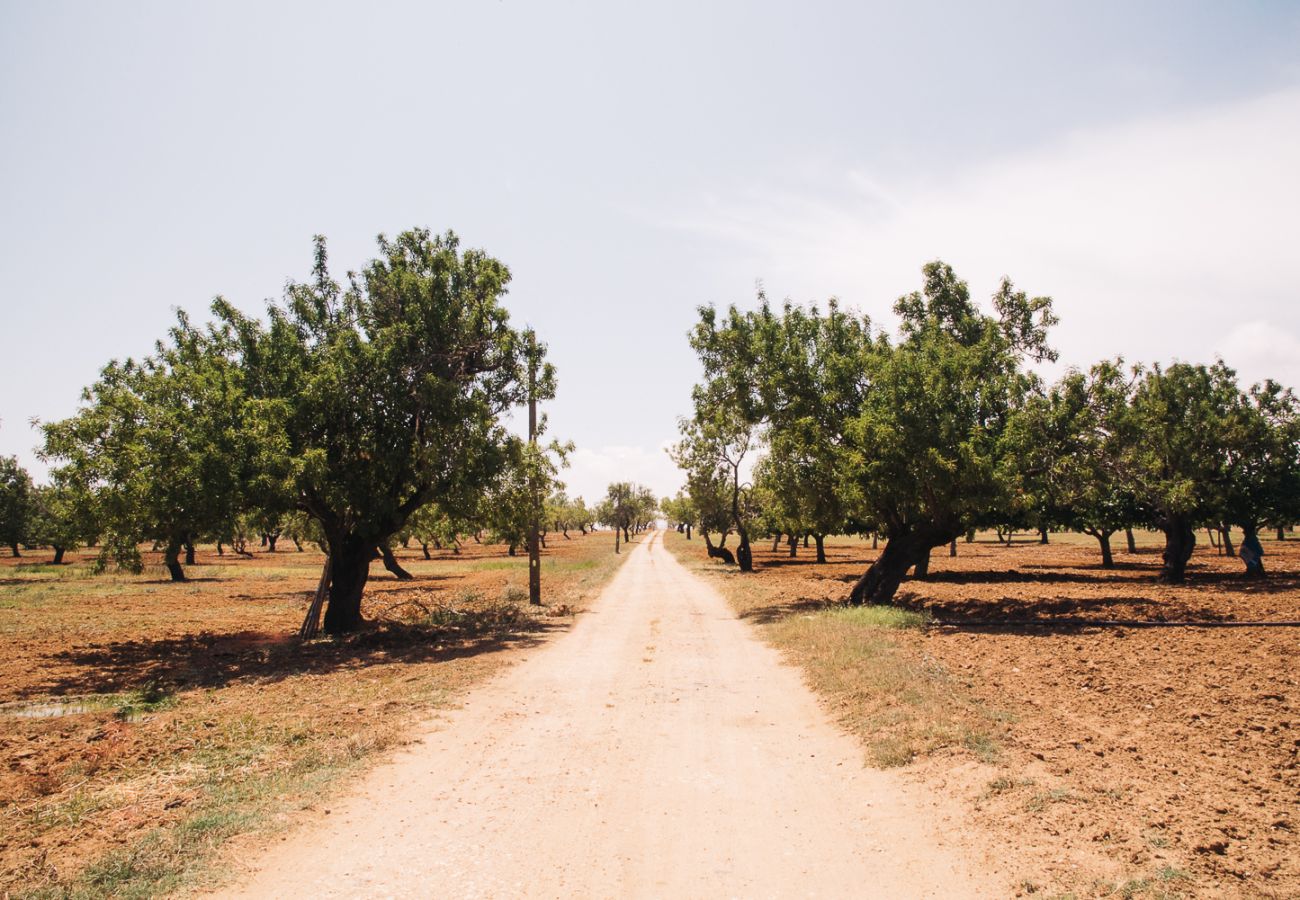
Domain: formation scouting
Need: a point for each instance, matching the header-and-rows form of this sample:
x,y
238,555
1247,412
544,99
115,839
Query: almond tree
x,y
380,397
1178,433
1063,456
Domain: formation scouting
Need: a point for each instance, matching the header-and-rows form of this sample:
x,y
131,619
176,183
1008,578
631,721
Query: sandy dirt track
x,y
657,750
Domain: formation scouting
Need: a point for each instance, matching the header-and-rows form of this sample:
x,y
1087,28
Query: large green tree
x,y
1064,456
1179,430
924,445
379,397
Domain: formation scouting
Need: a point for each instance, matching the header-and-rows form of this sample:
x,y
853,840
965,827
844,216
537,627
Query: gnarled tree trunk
x,y
904,549
821,547
172,559
718,552
1180,540
1132,541
349,571
1103,539
1228,549
391,563
58,555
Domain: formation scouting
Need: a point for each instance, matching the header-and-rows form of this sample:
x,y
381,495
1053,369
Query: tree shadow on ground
x,y
775,612
216,660
1198,578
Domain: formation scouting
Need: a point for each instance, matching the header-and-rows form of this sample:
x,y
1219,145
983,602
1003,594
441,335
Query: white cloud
x,y
1154,238
591,470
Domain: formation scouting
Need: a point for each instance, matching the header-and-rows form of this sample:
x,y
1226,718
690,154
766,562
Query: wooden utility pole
x,y
534,551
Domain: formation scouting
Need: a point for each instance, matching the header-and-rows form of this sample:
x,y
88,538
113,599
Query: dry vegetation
x,y
145,723
1116,761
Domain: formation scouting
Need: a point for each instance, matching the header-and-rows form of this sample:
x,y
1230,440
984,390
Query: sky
x,y
632,161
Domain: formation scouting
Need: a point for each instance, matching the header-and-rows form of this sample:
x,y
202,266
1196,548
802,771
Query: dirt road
x,y
657,750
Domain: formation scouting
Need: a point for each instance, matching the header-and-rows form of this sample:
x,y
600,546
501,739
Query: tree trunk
x,y
1281,533
794,546
1042,535
514,547
264,538
875,540
349,570
221,551
58,555
172,559
270,542
627,538
1214,539
1107,560
297,543
805,540
425,547
1228,549
1252,554
13,549
1180,540
821,547
970,535
922,569
744,557
688,531
392,565
617,535
1132,541
189,552
952,548
776,541
718,552
880,582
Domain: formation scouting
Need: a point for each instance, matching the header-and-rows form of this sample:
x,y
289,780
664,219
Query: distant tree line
x,y
922,437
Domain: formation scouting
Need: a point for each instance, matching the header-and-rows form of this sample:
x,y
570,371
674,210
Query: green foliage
x,y
627,506
514,500
680,509
62,518
162,444
15,503
924,443
372,400
864,432
1064,455
1176,435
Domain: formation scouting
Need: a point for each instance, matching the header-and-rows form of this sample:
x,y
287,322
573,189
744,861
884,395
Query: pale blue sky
x,y
630,161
